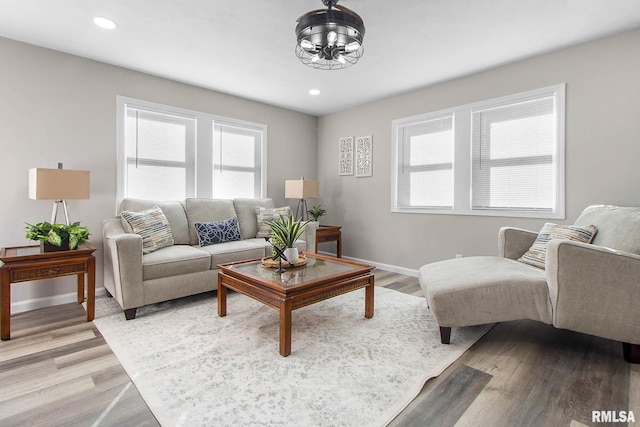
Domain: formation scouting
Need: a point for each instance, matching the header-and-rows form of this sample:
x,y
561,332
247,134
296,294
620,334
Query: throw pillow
x,y
264,214
153,226
210,233
537,253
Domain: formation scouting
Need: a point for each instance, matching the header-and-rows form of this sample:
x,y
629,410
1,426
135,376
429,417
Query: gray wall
x,y
56,107
602,152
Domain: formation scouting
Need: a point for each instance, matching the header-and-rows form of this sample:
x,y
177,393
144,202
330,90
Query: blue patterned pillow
x,y
210,233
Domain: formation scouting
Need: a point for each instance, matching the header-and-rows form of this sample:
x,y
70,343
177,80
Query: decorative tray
x,y
269,262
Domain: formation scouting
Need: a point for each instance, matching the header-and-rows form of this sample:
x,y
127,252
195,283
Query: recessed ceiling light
x,y
105,23
314,92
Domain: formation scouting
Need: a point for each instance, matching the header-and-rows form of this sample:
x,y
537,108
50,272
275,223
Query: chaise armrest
x,y
594,290
122,264
514,242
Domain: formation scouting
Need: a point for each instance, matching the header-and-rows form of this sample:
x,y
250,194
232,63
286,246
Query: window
x,y
236,161
502,157
159,155
425,177
168,153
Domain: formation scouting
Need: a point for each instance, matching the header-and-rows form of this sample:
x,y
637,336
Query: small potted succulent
x,y
286,231
57,237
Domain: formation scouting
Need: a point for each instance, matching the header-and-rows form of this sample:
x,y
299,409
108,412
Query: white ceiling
x,y
246,47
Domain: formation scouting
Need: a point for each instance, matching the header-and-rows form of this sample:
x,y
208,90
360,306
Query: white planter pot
x,y
291,254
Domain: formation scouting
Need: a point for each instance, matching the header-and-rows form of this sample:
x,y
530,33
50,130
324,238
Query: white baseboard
x,y
36,303
381,266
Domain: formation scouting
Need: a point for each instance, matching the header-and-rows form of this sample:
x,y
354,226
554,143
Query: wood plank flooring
x,y
57,370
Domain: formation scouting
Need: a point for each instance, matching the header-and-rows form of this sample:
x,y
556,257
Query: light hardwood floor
x,y
57,370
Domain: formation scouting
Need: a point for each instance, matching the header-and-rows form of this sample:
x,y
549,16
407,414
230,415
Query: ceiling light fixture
x,y
105,23
330,39
314,92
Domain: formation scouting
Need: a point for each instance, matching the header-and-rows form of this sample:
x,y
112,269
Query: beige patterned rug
x,y
196,369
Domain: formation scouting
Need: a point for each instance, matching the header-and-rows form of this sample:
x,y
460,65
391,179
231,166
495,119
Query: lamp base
x,y
301,211
54,212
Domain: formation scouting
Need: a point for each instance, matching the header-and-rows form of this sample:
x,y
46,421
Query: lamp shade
x,y
58,184
301,189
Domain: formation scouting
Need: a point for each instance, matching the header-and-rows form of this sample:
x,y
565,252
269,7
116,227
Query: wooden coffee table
x,y
321,278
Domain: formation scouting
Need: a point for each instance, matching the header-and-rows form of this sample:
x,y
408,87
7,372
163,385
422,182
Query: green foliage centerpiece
x,y
59,236
284,233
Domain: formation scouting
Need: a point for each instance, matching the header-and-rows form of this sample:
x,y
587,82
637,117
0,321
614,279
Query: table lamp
x,y
58,185
302,190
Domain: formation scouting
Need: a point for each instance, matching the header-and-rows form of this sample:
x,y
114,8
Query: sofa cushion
x,y
174,261
153,226
263,215
210,233
537,253
246,213
618,227
240,250
488,289
206,210
174,211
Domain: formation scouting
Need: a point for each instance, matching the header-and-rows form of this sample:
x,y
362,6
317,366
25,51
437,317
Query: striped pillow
x,y
537,253
153,226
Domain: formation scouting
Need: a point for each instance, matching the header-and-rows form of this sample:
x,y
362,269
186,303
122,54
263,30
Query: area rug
x,y
194,368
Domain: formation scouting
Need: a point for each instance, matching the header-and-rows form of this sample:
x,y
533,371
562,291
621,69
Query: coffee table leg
x,y
285,328
368,299
222,298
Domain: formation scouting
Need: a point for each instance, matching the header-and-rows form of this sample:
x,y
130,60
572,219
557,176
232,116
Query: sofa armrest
x,y
514,242
122,264
594,290
309,236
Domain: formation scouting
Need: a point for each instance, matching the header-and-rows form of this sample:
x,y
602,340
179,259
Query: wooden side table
x,y
27,263
330,233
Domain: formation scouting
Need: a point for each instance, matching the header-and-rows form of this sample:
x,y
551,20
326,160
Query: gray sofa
x,y
590,288
135,279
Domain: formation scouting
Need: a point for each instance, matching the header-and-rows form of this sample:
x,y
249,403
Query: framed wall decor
x,y
364,156
345,152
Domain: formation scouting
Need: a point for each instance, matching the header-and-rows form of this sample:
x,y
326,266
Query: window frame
x,y
463,159
204,144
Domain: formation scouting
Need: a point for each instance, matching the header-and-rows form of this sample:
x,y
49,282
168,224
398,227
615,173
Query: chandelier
x,y
330,39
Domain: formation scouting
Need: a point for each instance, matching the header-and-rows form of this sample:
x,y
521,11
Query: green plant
x,y
316,212
56,234
286,229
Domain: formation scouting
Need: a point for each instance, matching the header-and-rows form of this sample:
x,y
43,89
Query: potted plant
x,y
316,212
286,230
57,237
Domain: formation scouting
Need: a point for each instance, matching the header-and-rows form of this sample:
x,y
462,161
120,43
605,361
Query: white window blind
x,y
513,156
499,157
425,175
237,154
160,155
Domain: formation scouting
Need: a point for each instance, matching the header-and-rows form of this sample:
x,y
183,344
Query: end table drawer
x,y
327,238
26,274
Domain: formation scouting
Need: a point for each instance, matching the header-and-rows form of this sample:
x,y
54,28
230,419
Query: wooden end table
x,y
27,263
329,233
323,277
